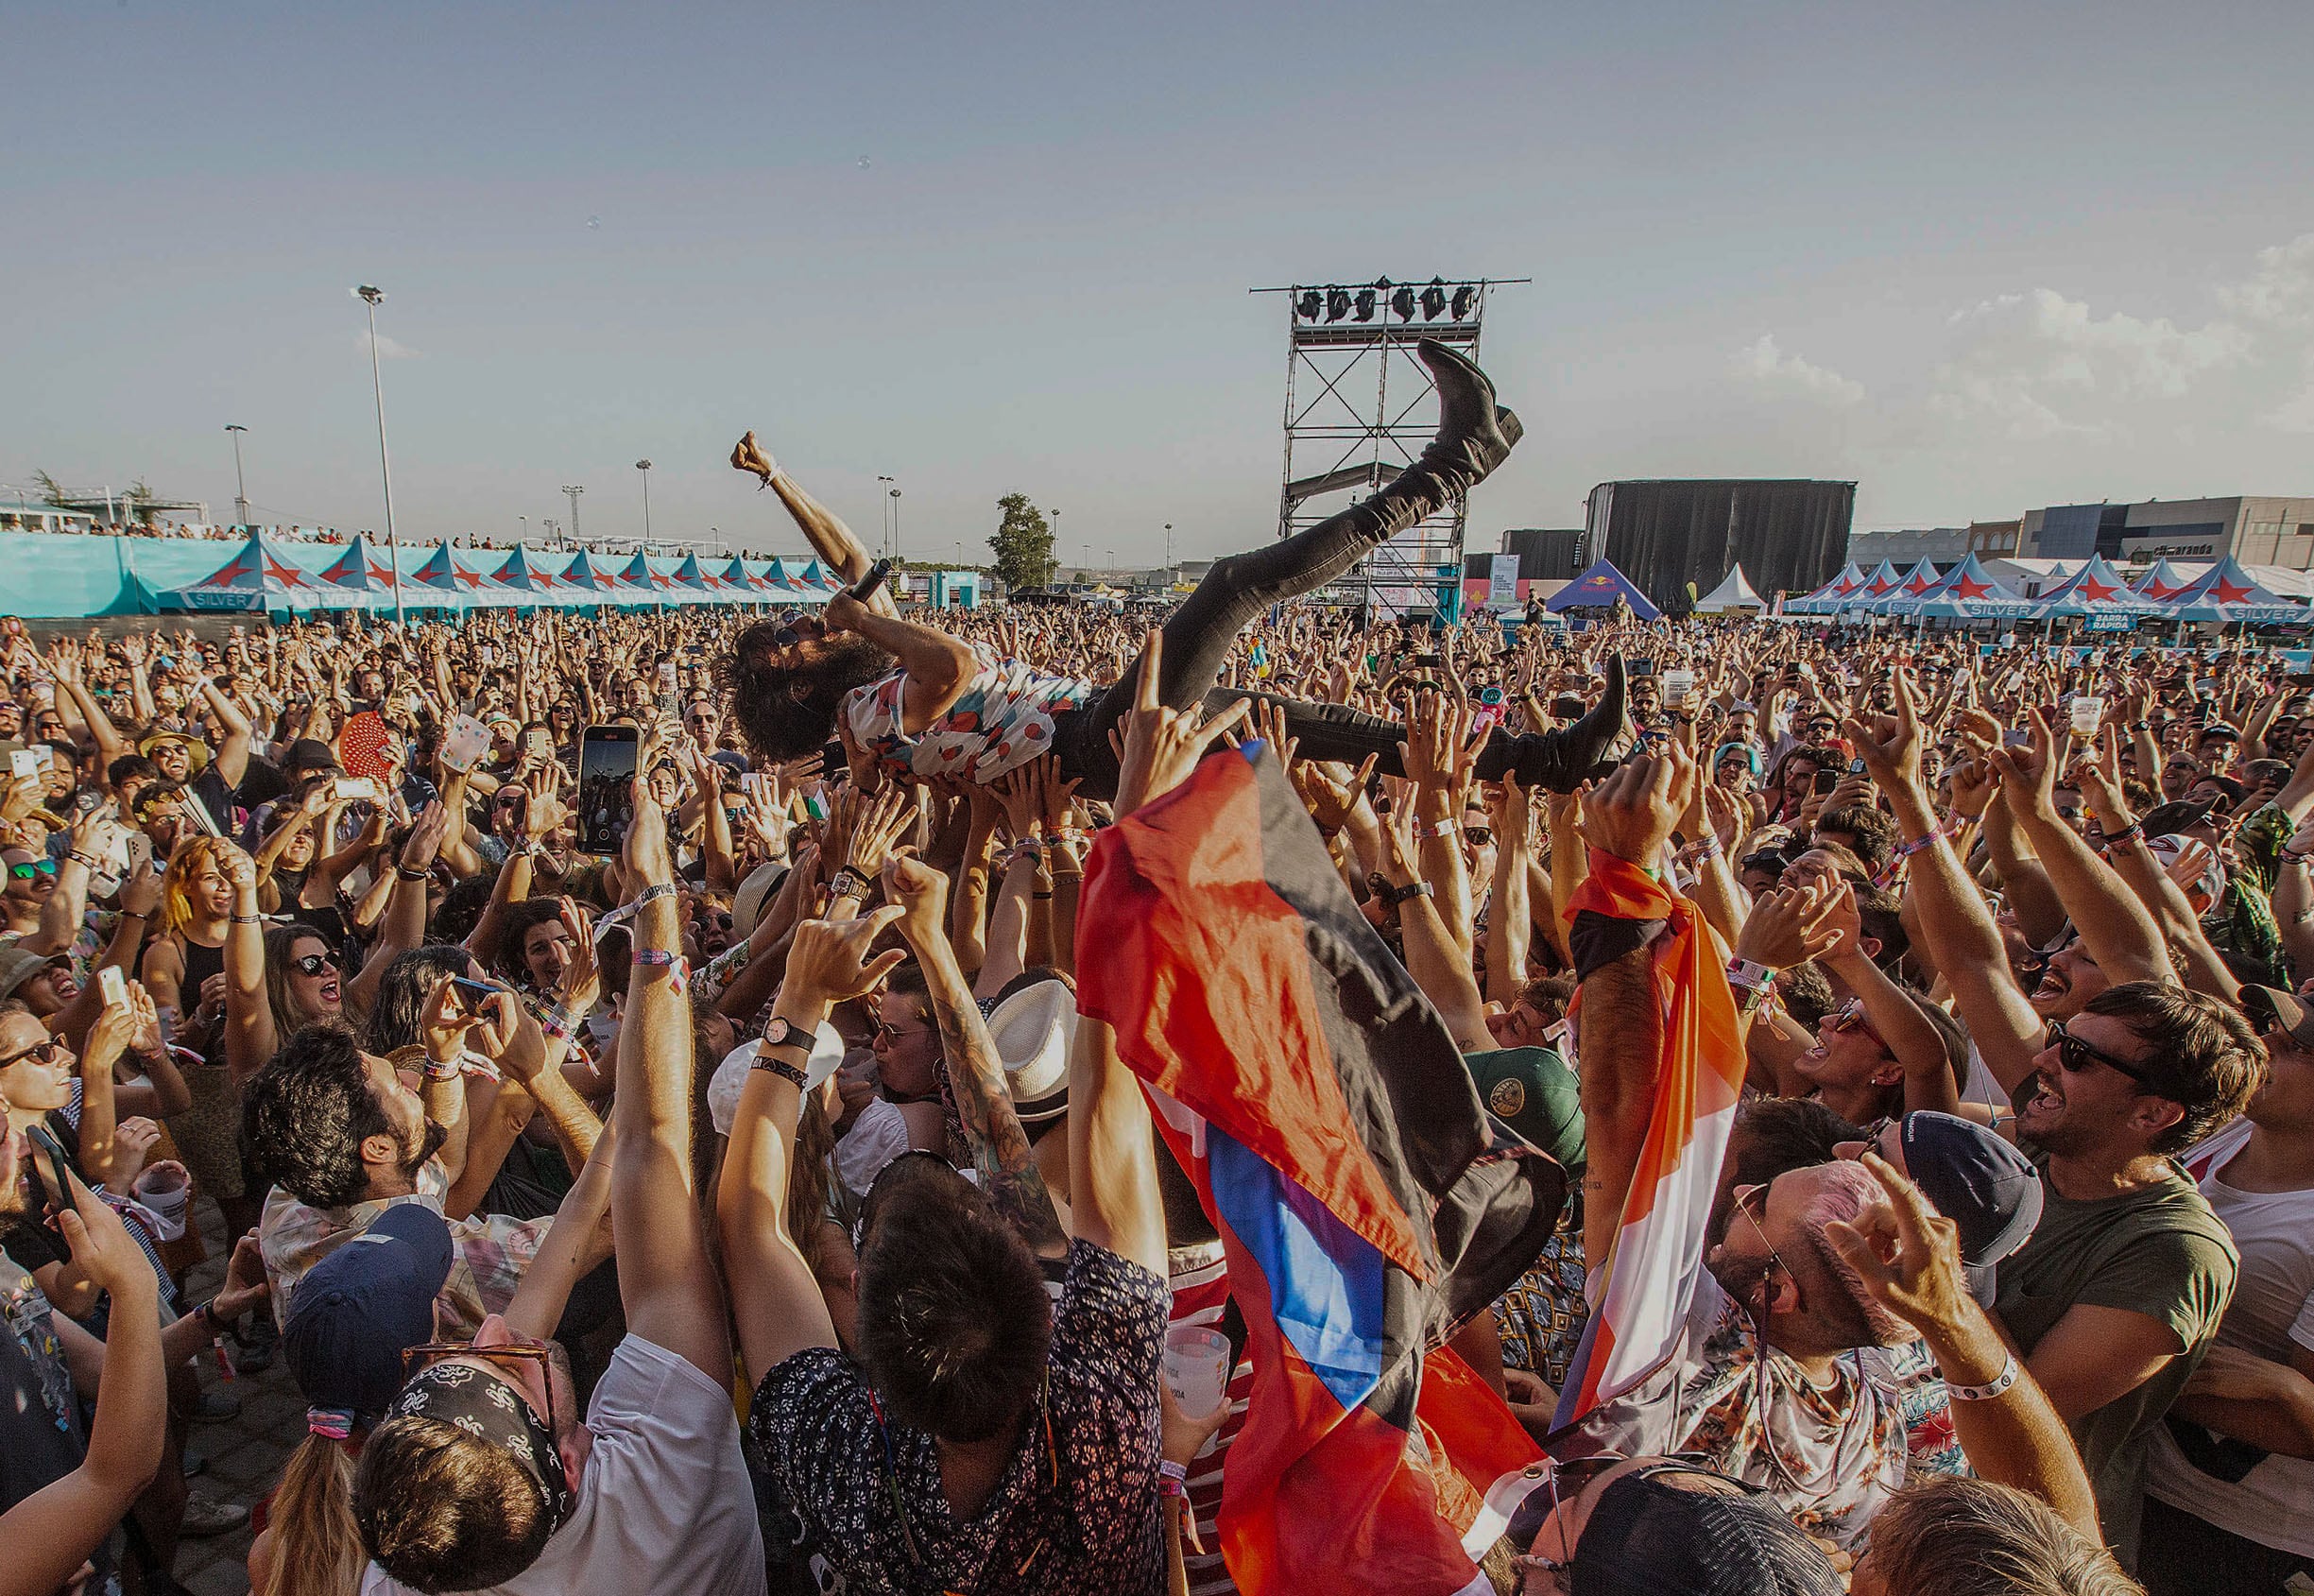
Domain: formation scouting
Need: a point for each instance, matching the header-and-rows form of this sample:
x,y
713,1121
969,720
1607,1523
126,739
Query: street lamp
x,y
524,535
1052,564
241,488
574,492
895,523
884,518
374,298
645,467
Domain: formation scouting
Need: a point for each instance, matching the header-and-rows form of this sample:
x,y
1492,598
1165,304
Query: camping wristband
x,y
653,894
1998,1385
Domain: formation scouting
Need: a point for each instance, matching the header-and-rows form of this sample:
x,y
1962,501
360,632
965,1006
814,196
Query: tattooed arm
x,y
1000,1148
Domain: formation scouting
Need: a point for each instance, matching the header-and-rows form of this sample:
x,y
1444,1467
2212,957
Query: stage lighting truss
x,y
1440,300
1360,407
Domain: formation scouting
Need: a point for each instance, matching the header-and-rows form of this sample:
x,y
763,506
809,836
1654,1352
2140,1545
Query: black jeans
x,y
1200,635
2179,1554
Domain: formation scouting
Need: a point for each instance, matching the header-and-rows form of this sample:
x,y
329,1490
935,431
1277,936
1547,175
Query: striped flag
x,y
1641,1290
1366,1203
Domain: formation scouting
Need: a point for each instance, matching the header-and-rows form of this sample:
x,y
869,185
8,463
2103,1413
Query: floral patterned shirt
x,y
492,1251
1830,1455
1003,720
1095,1528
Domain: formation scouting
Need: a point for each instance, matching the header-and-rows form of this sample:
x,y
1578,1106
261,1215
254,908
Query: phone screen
x,y
605,787
1826,780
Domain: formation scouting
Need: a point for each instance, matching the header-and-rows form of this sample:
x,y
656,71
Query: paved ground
x,y
245,1454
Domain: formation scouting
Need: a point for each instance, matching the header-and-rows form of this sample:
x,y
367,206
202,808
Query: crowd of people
x,y
748,1206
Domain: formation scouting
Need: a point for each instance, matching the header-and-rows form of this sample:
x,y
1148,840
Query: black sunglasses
x,y
313,964
2075,1056
43,1054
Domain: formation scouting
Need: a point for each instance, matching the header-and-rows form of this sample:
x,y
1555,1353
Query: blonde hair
x,y
316,1545
187,862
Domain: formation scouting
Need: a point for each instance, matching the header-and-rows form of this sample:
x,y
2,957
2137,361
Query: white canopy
x,y
1734,593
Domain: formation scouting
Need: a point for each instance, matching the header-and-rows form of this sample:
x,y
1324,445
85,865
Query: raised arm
x,y
1970,951
939,667
776,1301
1908,1258
1000,1150
667,1281
234,753
2114,925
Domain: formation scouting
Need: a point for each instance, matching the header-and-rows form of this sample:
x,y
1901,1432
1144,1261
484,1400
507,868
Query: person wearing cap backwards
x,y
482,1476
2115,1297
184,759
361,1316
1657,1525
2230,1487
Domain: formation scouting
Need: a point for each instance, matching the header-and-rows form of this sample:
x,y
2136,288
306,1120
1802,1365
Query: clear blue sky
x,y
1978,257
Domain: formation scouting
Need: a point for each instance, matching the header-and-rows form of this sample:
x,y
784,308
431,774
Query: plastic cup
x,y
164,1192
1196,1367
2088,712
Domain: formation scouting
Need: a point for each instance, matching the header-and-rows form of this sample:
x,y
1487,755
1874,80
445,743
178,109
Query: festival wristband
x,y
2133,831
653,894
783,1069
1999,1384
676,966
1747,972
1408,893
1444,829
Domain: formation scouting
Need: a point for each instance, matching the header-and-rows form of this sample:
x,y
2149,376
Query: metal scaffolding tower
x,y
1360,407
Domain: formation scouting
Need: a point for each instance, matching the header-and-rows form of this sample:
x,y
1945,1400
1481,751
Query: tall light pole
x,y
645,467
241,488
374,298
574,492
1169,554
895,523
1053,562
522,536
885,518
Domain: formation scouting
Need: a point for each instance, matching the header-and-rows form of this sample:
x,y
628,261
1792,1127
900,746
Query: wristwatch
x,y
783,1033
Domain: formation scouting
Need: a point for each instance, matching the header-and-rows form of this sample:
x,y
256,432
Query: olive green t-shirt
x,y
2161,1252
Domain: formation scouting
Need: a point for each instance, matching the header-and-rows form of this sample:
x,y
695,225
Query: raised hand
x,y
1633,812
1907,1255
1889,745
830,961
920,893
1790,925
1160,746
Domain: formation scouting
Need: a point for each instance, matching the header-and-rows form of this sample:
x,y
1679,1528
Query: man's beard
x,y
429,1142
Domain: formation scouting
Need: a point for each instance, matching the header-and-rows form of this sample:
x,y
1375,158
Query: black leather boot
x,y
1561,760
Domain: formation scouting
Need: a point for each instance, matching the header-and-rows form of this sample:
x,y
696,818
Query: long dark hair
x,y
759,676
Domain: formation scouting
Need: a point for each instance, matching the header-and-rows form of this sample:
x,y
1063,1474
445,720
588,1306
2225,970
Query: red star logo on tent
x,y
470,579
1844,586
2230,593
380,574
2095,590
2161,590
1882,586
1969,587
234,573
288,576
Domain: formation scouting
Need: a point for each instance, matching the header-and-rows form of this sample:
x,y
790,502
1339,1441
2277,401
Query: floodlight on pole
x,y
645,467
241,488
884,516
573,493
374,298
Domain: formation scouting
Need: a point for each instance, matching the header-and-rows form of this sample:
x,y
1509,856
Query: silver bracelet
x,y
1999,1384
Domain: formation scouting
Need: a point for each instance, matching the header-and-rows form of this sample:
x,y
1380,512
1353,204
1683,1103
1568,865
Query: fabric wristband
x,y
2131,833
780,1068
676,966
653,894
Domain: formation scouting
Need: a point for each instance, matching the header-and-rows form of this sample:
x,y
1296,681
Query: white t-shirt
x,y
665,1504
2271,1316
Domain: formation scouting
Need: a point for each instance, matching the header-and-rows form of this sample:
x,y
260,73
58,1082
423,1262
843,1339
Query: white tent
x,y
1732,595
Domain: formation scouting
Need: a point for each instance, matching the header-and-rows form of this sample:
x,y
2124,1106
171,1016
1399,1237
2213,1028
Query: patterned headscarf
x,y
492,1412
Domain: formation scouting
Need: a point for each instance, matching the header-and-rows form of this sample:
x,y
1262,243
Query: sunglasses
x,y
1850,1017
2074,1055
1478,836
38,867
313,964
43,1054
515,1355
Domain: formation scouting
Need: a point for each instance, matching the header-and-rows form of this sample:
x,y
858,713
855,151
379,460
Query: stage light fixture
x,y
1433,300
1337,303
1463,298
1308,306
1366,304
1403,304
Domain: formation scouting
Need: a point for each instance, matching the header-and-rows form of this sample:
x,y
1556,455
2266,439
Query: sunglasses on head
x,y
35,868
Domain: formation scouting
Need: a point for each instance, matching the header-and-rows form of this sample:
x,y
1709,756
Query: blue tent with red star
x,y
2096,588
2228,595
262,577
1967,593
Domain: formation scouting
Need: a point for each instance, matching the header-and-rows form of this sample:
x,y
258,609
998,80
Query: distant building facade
x,y
2257,531
1903,549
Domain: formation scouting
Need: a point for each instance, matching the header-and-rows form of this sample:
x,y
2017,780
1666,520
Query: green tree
x,y
51,489
1022,544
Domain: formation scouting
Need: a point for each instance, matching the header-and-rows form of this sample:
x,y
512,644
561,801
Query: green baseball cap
x,y
1533,1090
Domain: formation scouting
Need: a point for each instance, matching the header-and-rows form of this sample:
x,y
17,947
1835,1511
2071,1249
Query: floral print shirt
x,y
1003,720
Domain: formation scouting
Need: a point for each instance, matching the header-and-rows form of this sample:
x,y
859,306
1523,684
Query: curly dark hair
x,y
954,1322
509,963
305,1115
398,1017
786,707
